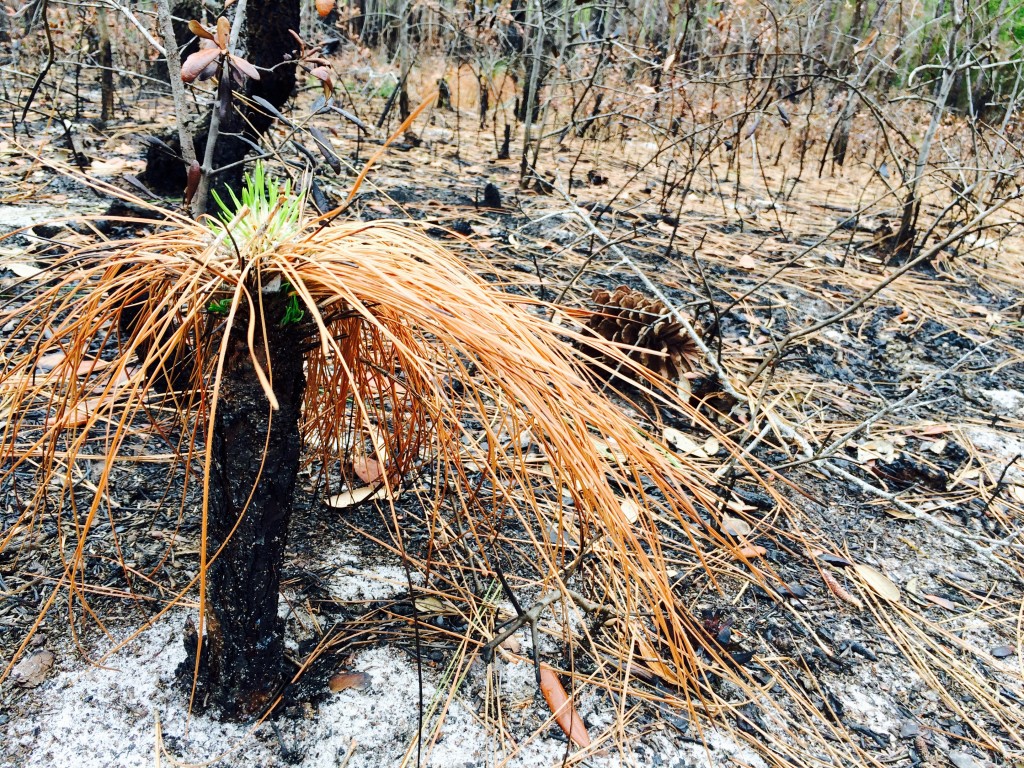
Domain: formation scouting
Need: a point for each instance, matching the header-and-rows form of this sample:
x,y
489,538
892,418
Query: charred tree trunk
x,y
254,465
264,42
106,61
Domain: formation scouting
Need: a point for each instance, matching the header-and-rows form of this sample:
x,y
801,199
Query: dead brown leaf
x,y
566,716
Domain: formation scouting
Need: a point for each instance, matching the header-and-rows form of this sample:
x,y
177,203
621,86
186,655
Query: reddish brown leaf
x,y
324,7
32,670
50,361
91,365
223,33
321,73
81,413
345,680
244,66
326,76
566,716
751,552
199,30
367,470
195,173
942,602
194,65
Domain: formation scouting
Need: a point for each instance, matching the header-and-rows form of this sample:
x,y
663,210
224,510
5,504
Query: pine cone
x,y
646,327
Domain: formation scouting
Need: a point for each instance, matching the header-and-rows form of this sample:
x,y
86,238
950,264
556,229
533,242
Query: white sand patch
x,y
356,580
1004,446
92,717
1006,402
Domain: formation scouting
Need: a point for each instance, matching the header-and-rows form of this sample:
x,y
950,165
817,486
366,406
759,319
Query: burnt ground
x,y
927,674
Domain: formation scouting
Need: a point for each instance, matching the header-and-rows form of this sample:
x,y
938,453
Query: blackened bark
x,y
264,42
903,243
105,59
252,483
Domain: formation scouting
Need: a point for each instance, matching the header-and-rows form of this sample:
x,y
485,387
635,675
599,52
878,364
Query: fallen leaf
x,y
431,605
738,505
566,716
32,670
831,559
93,365
909,729
900,514
963,760
749,553
683,443
83,411
878,582
942,602
735,527
345,680
50,361
355,496
366,469
630,509
22,270
684,389
380,445
876,449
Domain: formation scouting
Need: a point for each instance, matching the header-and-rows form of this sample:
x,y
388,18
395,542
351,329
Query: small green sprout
x,y
294,312
219,306
267,214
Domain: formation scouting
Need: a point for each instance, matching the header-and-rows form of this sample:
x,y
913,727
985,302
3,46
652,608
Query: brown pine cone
x,y
646,327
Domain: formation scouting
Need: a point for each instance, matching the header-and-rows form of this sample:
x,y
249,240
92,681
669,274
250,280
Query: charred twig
x,y
839,442
921,258
532,616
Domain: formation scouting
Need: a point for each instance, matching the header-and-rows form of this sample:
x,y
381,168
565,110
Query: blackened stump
x,y
253,469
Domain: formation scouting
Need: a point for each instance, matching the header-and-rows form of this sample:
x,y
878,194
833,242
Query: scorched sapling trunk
x,y
252,482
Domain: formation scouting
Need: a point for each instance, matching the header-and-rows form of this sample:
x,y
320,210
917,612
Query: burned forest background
x,y
784,238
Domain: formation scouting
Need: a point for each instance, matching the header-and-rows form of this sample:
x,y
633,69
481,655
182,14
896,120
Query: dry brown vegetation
x,y
812,540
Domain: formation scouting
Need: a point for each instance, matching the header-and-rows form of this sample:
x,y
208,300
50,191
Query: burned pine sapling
x,y
269,332
252,465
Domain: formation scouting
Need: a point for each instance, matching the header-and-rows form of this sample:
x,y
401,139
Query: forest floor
x,y
913,660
